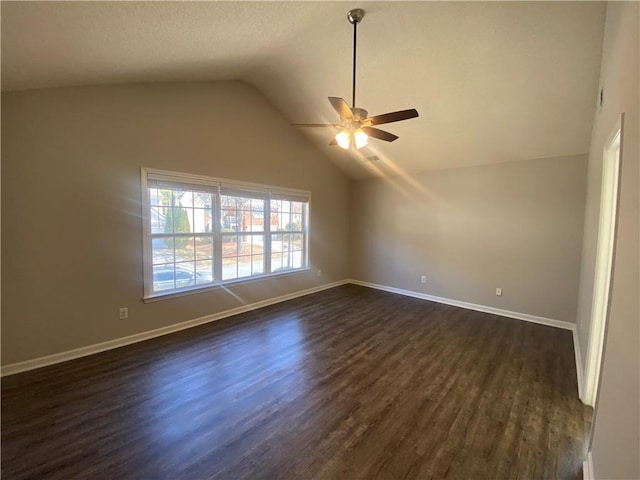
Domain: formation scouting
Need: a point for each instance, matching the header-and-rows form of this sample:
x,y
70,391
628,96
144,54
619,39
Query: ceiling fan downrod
x,y
355,16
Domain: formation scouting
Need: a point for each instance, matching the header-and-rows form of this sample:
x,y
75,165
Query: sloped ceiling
x,y
493,81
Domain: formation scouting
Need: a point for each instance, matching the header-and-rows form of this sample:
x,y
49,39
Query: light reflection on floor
x,y
188,399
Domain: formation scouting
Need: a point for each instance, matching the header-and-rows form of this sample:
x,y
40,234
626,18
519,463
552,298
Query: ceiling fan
x,y
355,126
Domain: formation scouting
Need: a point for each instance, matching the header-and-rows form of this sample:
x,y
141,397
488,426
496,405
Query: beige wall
x,y
616,434
515,225
71,226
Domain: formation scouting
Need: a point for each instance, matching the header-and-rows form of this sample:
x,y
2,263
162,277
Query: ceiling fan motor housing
x,y
359,114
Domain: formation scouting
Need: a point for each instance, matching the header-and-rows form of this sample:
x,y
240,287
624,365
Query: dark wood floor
x,y
349,383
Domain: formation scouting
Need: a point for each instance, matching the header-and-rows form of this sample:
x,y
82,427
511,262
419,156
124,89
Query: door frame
x,y
605,258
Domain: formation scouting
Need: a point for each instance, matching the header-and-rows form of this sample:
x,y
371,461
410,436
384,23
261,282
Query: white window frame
x,y
218,187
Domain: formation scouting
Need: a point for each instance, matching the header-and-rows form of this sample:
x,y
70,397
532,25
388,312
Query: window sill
x,y
157,297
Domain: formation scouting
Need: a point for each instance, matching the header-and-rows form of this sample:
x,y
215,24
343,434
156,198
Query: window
x,y
200,231
288,238
243,241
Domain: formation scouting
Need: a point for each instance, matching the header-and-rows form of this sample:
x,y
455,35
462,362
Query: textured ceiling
x,y
493,81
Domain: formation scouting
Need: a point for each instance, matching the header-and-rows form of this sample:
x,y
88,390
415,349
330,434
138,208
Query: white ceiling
x,y
493,81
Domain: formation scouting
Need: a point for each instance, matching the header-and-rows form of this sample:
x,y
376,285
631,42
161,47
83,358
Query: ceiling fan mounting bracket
x,y
355,15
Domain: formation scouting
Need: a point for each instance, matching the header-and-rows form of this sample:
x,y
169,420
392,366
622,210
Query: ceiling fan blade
x,y
380,134
334,125
393,117
341,107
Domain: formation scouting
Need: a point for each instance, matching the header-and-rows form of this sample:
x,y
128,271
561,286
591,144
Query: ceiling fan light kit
x,y
353,134
355,124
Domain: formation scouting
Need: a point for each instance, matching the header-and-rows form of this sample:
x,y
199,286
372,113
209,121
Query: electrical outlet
x,y
423,279
319,273
499,291
124,313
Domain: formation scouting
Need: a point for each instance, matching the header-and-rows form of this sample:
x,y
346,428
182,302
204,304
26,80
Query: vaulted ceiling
x,y
493,81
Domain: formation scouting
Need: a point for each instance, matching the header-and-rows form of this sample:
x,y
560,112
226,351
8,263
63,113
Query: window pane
x,y
285,220
257,244
284,206
276,262
202,200
202,220
229,219
244,266
257,264
276,243
154,196
204,247
158,219
253,221
296,222
296,259
242,255
160,196
163,278
230,245
185,274
297,241
257,205
183,199
229,268
286,242
185,250
177,221
241,217
287,261
162,250
204,272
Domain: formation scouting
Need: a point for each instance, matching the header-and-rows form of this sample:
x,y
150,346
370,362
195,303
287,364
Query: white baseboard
x,y
496,311
120,342
587,468
579,367
471,306
139,337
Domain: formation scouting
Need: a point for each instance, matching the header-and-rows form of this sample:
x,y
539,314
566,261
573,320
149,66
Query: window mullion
x,y
217,238
267,235
305,235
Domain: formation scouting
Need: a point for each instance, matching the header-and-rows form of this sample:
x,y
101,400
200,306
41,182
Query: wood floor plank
x,y
349,383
